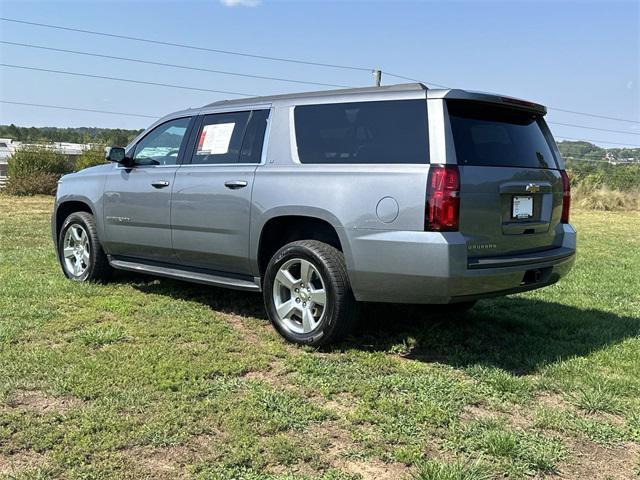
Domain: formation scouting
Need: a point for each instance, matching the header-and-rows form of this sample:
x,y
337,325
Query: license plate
x,y
522,207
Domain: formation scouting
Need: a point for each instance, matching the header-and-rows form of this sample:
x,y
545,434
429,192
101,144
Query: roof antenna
x,y
377,77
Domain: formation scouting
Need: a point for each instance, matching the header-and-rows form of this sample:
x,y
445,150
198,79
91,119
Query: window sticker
x,y
215,139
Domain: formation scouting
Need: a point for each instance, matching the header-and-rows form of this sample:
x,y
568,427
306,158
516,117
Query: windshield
x,y
496,136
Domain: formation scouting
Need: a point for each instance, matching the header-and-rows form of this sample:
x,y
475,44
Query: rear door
x,y
211,202
511,190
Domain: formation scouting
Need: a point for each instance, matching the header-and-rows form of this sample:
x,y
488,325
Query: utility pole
x,y
377,77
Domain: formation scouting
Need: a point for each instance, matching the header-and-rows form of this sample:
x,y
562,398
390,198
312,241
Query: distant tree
x,y
90,158
13,132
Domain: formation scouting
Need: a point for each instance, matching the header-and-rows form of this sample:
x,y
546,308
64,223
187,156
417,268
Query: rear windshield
x,y
496,136
363,132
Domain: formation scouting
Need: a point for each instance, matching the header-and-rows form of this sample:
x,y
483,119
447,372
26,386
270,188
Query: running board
x,y
216,280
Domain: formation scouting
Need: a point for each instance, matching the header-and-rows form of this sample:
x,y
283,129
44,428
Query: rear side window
x,y
363,132
496,136
220,138
254,137
235,137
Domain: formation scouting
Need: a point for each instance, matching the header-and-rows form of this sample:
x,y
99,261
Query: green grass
x,y
153,378
515,451
435,470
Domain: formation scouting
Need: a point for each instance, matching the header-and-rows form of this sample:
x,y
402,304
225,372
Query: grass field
x,y
152,378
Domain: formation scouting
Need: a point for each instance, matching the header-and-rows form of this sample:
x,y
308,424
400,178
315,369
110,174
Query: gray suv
x,y
321,200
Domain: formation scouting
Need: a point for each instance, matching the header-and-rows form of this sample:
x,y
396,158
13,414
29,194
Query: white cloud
x,y
630,84
240,3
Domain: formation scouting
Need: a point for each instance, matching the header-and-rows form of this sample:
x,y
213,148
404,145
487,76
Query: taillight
x,y
566,197
443,199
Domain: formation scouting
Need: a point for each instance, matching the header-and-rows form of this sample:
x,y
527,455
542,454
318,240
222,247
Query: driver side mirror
x,y
118,155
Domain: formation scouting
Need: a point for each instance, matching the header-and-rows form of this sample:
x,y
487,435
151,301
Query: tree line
x,y
102,136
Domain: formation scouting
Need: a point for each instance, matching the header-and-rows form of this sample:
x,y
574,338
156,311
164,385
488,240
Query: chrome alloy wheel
x,y
76,250
299,296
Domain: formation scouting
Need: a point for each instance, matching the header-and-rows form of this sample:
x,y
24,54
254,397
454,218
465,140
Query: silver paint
x,y
197,222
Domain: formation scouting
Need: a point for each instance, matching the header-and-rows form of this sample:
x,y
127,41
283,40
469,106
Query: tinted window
x,y
254,137
363,132
220,138
162,145
497,136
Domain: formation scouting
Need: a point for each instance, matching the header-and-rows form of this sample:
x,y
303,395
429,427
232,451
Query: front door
x,y
211,203
137,200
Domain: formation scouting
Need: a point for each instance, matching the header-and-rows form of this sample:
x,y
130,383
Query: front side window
x,y
363,132
162,145
498,136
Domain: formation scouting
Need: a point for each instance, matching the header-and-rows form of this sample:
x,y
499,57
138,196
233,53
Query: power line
x,y
595,115
594,128
149,62
560,137
402,77
192,47
215,50
265,57
118,79
549,108
172,65
78,109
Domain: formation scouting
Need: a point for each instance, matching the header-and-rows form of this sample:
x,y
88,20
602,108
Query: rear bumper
x,y
429,267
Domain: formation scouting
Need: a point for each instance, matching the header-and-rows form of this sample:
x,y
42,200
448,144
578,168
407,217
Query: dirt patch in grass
x,y
248,334
518,417
337,438
39,402
595,462
278,376
341,404
275,375
374,469
161,462
339,444
477,412
550,400
171,462
11,465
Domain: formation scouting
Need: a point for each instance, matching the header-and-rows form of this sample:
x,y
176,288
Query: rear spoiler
x,y
511,102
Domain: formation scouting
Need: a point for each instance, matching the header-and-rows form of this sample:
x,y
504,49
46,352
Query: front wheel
x,y
307,293
79,250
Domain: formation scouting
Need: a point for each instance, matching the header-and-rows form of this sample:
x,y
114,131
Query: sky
x,y
572,55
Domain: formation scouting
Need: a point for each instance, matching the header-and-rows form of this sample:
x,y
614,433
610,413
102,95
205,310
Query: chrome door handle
x,y
235,184
160,184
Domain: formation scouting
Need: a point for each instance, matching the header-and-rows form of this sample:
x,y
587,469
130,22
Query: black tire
x,y
97,267
339,311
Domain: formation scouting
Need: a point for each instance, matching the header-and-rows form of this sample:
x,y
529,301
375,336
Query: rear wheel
x,y
307,293
79,250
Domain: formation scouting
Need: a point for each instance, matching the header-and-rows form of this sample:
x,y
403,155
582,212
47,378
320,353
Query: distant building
x,y
9,146
5,153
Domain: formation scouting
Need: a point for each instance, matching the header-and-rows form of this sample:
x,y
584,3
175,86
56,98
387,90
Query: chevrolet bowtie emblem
x,y
533,188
